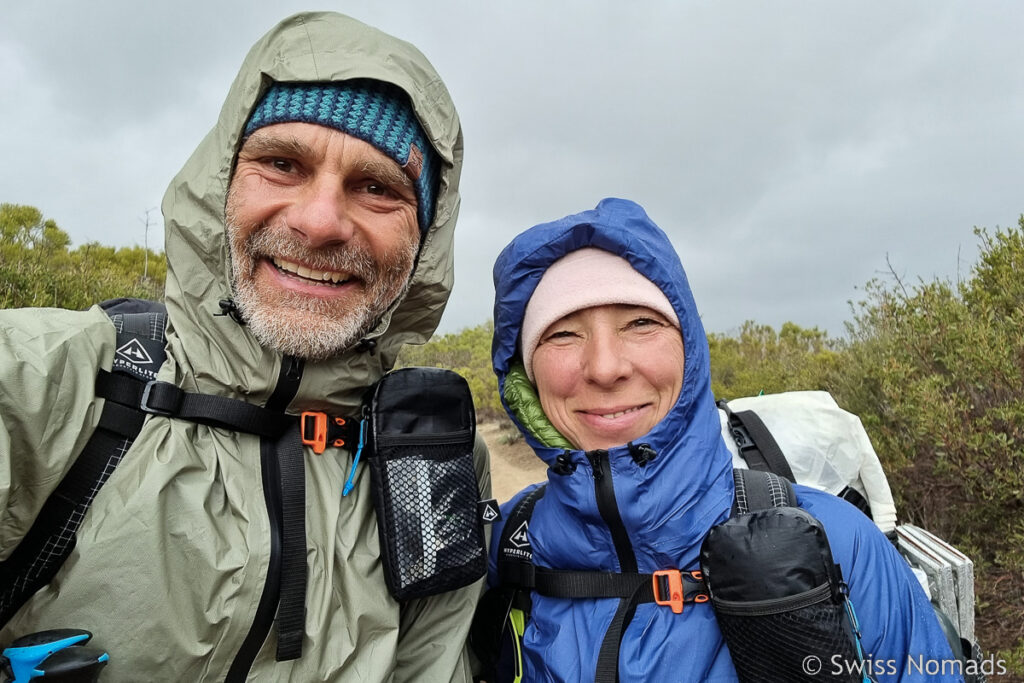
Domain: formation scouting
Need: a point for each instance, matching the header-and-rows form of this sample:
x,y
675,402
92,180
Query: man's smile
x,y
319,276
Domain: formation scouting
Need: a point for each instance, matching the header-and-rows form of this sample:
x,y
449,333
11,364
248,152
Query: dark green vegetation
x,y
934,369
38,267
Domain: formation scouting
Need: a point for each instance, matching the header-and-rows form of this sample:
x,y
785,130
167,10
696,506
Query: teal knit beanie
x,y
373,111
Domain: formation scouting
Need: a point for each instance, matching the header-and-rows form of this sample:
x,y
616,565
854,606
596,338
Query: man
x,y
319,213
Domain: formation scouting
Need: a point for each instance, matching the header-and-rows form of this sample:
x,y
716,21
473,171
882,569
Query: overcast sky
x,y
788,148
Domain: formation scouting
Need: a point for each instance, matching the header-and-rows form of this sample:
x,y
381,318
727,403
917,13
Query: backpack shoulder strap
x,y
500,619
140,326
515,555
757,490
49,541
755,443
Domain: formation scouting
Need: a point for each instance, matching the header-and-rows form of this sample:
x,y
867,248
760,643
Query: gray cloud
x,y
787,149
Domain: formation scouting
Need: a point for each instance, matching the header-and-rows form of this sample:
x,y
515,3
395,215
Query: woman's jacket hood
x,y
688,486
214,354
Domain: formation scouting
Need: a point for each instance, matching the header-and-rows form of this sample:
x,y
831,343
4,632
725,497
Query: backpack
x,y
828,449
806,437
417,420
139,353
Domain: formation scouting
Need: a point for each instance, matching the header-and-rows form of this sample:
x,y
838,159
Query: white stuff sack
x,y
826,447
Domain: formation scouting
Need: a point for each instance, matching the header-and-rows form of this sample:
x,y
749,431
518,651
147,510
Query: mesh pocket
x,y
780,599
808,644
431,537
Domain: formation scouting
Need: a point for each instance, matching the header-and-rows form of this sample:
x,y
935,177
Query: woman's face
x,y
607,374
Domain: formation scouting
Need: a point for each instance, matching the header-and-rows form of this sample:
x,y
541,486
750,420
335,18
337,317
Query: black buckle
x,y
167,397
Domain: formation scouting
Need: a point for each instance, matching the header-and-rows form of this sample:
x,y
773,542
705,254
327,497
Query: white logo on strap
x,y
135,352
519,537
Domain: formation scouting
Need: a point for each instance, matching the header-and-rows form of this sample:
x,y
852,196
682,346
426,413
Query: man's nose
x,y
605,362
320,214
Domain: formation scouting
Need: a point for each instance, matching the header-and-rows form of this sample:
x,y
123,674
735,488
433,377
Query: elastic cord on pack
x,y
350,482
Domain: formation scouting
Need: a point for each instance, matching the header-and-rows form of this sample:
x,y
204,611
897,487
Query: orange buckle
x,y
668,581
314,430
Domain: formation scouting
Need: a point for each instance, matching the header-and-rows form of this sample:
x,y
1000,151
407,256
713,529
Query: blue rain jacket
x,y
668,506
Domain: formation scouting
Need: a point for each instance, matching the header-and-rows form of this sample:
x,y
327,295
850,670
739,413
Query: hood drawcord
x,y
564,464
229,308
642,453
368,345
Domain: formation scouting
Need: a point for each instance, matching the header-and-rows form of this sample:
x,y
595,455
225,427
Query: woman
x,y
602,362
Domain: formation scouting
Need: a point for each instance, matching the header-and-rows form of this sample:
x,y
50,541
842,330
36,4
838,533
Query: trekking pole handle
x,y
59,654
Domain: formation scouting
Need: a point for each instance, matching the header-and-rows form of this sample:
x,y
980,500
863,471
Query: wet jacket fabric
x,y
172,559
668,506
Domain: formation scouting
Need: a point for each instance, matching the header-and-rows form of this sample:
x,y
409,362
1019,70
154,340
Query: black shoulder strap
x,y
491,621
51,538
515,555
755,443
756,490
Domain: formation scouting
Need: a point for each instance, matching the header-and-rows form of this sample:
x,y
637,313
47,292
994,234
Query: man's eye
x,y
379,189
282,165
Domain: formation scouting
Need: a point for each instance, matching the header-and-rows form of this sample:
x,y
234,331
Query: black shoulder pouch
x,y
780,600
420,440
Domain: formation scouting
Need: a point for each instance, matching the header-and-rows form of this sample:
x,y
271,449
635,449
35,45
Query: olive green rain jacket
x,y
172,558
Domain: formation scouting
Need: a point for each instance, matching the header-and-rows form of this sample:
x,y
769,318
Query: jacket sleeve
x,y
48,364
901,635
433,631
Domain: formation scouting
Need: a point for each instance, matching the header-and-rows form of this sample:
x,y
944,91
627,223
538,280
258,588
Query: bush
x,y
38,268
936,372
760,360
468,353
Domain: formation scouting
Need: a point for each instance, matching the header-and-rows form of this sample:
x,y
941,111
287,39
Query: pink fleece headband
x,y
581,279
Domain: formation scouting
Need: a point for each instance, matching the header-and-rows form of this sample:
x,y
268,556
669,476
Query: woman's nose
x,y
605,360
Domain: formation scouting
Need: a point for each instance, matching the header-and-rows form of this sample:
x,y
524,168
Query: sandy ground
x,y
513,466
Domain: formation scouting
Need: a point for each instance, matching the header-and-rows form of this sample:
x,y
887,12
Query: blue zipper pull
x,y
350,483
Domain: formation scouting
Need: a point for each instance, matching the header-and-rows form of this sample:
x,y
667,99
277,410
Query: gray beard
x,y
307,327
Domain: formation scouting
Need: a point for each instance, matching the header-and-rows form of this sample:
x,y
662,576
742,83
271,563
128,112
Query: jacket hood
x,y
688,485
211,352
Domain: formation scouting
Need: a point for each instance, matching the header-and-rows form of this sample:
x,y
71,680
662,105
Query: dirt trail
x,y
513,466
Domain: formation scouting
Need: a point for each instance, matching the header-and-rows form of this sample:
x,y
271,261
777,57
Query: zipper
x,y
288,380
426,439
757,608
604,491
607,665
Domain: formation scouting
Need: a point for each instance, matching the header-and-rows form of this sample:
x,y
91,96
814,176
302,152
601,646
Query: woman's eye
x,y
642,322
560,334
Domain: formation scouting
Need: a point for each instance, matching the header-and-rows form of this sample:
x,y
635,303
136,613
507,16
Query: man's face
x,y
323,234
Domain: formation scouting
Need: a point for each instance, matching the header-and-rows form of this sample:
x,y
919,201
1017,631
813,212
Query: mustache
x,y
267,242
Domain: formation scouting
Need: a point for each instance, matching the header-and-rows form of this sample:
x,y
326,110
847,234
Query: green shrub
x,y
38,267
936,372
467,352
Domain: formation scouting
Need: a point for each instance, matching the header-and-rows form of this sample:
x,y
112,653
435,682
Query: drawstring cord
x,y
229,308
